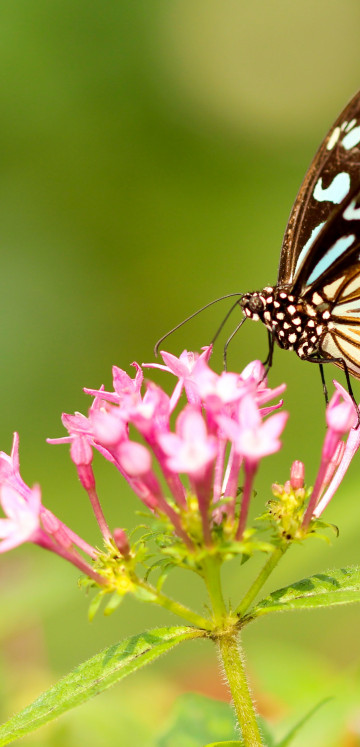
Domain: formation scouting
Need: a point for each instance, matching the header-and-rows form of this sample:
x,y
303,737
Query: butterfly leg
x,y
321,369
269,358
344,366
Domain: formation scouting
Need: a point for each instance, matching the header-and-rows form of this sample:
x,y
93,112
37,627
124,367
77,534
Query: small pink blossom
x,y
124,386
184,368
252,437
255,373
10,468
341,417
151,415
217,391
348,452
23,517
191,449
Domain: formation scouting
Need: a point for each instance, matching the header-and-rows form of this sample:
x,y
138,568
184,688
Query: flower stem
x,y
231,657
260,580
177,608
211,574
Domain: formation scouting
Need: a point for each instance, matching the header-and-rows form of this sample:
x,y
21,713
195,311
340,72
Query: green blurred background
x,y
150,154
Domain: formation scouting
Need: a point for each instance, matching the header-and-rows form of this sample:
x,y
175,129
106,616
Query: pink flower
x,y
151,415
348,452
191,450
28,521
252,437
184,368
124,386
341,417
9,468
23,517
218,391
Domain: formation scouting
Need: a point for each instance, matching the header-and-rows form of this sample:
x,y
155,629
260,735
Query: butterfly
x,y
314,308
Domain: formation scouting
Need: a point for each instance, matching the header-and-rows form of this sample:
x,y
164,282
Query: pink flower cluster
x,y
223,430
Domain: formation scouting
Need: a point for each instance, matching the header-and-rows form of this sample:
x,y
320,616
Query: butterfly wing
x,y
330,272
331,177
342,341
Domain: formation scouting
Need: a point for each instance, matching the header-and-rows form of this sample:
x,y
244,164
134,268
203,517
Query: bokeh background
x,y
150,153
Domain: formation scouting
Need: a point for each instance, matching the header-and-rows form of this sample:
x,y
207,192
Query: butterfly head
x,y
254,305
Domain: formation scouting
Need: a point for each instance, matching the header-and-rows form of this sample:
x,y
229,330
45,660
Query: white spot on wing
x,y
334,137
351,138
336,191
308,244
349,125
351,212
331,255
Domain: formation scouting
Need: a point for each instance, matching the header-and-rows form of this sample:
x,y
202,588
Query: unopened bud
x,y
297,474
122,542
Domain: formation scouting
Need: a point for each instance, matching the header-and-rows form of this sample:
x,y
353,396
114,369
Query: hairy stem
x,y
234,669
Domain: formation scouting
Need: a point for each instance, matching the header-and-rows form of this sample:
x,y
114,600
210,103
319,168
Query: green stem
x,y
176,607
211,575
264,574
231,657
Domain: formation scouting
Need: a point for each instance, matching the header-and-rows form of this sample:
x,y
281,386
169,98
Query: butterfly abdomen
x,y
294,323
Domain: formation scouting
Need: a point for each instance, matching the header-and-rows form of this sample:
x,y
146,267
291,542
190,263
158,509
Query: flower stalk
x,y
231,657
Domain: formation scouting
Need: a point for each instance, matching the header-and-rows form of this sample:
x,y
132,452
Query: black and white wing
x,y
329,277
333,174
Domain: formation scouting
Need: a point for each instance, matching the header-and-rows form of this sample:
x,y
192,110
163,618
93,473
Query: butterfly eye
x,y
255,304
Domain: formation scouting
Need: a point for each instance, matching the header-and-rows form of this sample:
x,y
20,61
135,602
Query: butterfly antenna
x,y
181,324
216,335
229,340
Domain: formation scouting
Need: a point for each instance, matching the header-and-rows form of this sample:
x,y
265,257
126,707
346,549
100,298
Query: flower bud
x,y
122,542
297,474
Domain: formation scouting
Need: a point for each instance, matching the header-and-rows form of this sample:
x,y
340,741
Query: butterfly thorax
x,y
294,323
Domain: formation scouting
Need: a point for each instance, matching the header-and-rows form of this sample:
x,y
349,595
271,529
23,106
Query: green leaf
x,y
197,720
94,676
232,743
340,586
113,604
94,605
295,730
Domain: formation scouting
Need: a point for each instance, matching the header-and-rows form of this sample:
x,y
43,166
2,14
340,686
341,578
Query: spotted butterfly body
x,y
314,309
